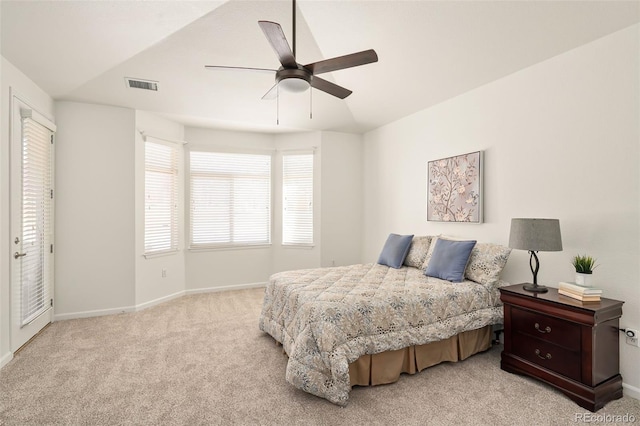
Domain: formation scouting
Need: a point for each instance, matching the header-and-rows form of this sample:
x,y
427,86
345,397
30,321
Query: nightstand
x,y
570,345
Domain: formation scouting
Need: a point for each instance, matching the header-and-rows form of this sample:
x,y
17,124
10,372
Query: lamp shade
x,y
535,234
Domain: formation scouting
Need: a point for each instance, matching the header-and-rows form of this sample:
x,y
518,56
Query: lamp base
x,y
535,288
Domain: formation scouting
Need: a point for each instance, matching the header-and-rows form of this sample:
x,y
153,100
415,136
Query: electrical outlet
x,y
164,273
632,337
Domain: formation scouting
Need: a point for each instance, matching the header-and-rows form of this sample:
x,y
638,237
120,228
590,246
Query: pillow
x,y
427,258
449,260
417,251
433,245
486,263
395,250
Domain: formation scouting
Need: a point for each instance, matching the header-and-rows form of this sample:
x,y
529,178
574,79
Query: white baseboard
x,y
96,313
5,359
145,305
159,300
225,288
631,391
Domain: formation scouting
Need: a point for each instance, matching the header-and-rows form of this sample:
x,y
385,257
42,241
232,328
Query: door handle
x,y
17,255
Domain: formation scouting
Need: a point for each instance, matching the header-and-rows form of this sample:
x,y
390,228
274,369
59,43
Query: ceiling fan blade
x,y
222,67
342,62
271,94
329,87
275,35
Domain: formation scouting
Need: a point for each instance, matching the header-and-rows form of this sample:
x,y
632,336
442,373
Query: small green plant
x,y
584,264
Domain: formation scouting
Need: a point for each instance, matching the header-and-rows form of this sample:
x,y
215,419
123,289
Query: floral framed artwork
x,y
454,188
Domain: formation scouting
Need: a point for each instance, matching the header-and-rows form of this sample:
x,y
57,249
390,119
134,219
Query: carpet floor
x,y
201,360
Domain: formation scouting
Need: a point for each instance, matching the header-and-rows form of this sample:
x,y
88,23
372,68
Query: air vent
x,y
137,83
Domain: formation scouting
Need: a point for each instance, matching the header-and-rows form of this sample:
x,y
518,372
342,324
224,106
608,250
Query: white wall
x,y
108,273
208,269
11,79
150,284
100,187
561,140
337,213
341,198
95,209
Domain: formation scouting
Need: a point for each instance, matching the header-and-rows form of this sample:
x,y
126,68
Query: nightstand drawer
x,y
547,355
547,328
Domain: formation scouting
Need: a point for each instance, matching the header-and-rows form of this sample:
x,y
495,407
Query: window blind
x,y
161,198
297,199
37,230
230,199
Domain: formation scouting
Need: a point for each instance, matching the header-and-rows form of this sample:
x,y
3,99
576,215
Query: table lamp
x,y
535,235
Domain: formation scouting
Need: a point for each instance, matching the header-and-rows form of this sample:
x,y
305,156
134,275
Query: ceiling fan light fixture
x,y
294,84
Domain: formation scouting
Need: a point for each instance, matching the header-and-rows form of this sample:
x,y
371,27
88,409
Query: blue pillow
x,y
395,250
449,260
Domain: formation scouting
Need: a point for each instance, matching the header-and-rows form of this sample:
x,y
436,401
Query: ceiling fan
x,y
294,77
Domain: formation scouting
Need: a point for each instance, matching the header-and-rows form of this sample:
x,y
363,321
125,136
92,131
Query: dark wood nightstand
x,y
568,344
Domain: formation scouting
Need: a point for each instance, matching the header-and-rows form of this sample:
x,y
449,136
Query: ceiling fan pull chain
x,y
277,105
310,103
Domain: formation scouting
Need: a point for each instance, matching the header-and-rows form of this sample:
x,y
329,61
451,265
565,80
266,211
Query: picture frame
x,y
455,188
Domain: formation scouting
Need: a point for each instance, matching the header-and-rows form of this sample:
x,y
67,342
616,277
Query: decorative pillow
x,y
486,263
395,250
417,251
427,258
449,260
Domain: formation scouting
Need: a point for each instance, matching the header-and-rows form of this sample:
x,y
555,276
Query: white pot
x,y
584,279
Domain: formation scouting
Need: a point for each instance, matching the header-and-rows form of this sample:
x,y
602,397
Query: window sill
x,y
298,246
160,254
229,247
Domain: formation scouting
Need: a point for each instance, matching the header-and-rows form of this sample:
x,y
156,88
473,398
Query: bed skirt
x,y
386,367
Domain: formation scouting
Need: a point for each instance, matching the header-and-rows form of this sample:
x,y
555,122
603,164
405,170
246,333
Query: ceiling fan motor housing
x,y
294,79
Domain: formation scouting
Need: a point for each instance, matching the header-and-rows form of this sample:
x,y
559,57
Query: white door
x,y
31,222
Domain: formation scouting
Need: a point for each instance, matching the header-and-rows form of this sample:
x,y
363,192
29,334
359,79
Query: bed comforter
x,y
326,318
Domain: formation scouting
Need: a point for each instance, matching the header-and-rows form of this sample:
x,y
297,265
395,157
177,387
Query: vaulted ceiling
x,y
429,51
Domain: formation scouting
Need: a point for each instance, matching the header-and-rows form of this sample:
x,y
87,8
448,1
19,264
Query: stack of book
x,y
578,292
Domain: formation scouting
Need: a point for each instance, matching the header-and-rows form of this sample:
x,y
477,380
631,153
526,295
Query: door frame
x,y
19,334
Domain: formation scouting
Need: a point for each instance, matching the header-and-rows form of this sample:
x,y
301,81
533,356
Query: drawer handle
x,y
547,329
547,356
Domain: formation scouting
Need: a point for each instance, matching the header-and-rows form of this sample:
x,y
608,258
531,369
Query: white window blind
x,y
230,199
161,198
37,230
297,199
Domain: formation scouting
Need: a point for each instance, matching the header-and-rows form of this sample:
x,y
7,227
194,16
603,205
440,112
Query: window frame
x,y
311,244
229,245
175,171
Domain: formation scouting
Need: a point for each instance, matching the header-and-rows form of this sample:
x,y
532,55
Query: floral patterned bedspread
x,y
326,318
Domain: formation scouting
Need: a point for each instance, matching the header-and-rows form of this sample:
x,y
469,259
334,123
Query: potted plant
x,y
584,266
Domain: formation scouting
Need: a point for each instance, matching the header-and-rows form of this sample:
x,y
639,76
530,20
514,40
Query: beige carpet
x,y
202,360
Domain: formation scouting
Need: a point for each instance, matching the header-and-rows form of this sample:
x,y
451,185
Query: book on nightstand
x,y
579,297
578,292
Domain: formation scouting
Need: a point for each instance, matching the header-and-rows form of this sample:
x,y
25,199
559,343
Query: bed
x,y
365,324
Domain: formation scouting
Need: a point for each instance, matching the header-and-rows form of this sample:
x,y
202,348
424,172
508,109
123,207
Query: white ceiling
x,y
429,51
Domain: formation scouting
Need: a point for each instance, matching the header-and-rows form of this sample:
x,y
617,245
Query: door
x,y
31,222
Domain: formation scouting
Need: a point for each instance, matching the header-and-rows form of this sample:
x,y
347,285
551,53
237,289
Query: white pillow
x,y
418,251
